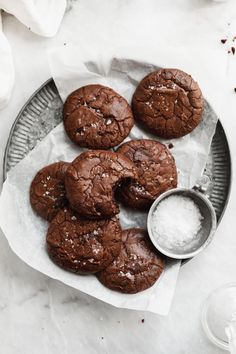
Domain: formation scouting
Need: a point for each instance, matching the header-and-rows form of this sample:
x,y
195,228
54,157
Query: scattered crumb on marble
x,y
235,89
142,320
223,41
102,337
233,50
170,146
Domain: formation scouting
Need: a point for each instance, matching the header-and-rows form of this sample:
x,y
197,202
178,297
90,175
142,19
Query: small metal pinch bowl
x,y
202,238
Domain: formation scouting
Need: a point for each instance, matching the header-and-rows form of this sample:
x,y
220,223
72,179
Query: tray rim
x,y
16,121
230,174
51,81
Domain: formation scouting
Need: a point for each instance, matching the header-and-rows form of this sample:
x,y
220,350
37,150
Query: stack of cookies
x,y
80,199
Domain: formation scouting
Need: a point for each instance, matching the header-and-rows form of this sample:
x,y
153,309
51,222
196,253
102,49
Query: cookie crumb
x,y
142,320
170,146
235,89
102,337
229,51
223,41
233,50
64,43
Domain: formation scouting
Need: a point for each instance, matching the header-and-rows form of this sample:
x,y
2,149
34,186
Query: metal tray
x,y
43,111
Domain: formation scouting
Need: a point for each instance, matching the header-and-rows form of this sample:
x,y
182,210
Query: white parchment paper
x,y
26,231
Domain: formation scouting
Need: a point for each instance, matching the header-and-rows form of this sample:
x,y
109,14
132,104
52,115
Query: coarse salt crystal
x,y
176,221
139,188
127,275
108,121
105,175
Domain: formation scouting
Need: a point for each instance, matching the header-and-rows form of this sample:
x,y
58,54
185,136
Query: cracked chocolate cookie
x,y
91,180
156,172
168,102
97,117
137,267
47,190
80,245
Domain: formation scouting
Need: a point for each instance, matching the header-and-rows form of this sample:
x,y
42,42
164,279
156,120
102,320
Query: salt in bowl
x,y
204,235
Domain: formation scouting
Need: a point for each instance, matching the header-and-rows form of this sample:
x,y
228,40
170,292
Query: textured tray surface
x,y
43,112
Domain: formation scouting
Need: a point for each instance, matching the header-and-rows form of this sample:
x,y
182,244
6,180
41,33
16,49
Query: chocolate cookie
x,y
80,245
91,180
168,102
156,172
97,117
137,267
47,190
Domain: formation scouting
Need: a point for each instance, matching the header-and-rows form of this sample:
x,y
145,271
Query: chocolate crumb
x,y
223,41
102,337
233,50
229,51
143,320
235,89
170,146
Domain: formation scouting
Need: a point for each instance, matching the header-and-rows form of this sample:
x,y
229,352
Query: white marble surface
x,y
40,315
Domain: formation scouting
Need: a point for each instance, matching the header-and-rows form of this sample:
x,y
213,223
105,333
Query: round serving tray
x,y
43,111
